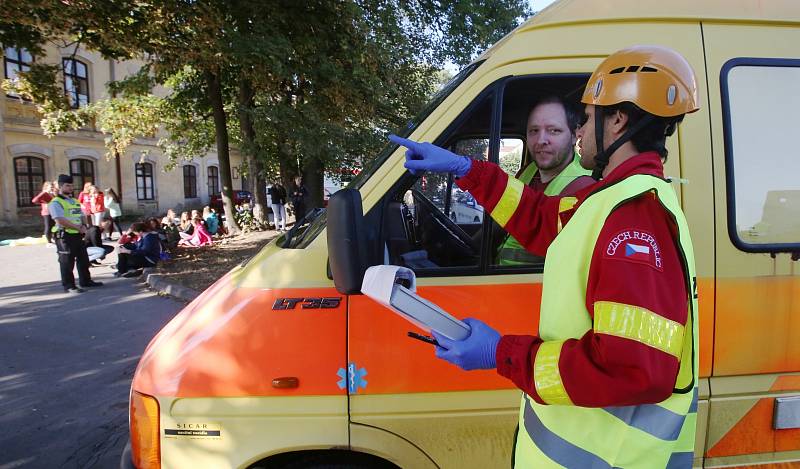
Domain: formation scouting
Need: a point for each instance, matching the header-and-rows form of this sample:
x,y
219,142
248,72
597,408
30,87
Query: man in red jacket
x,y
617,342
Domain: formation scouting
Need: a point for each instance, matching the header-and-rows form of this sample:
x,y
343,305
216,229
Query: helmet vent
x,y
632,69
671,94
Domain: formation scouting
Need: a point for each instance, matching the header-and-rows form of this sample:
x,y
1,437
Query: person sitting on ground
x,y
173,216
171,230
107,226
155,226
221,230
201,236
212,224
92,238
128,237
145,253
186,228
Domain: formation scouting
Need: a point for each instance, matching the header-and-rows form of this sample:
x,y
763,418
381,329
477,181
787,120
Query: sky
x,y
537,5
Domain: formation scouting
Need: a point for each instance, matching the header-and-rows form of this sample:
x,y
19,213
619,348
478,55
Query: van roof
x,y
581,11
565,12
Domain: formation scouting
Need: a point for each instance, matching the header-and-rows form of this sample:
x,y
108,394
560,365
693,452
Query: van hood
x,y
236,337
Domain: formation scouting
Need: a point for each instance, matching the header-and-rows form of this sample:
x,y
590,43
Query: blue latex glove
x,y
428,157
476,352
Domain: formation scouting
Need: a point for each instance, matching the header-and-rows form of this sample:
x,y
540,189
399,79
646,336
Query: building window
x,y
213,180
144,181
82,171
76,83
29,176
189,182
16,60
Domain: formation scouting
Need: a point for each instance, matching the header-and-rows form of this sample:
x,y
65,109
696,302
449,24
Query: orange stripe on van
x,y
754,432
231,342
396,363
757,324
378,342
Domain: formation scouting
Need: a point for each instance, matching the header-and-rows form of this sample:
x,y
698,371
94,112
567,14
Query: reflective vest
x,y
511,251
72,212
561,434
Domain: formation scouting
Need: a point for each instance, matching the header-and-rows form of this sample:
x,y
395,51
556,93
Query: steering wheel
x,y
455,242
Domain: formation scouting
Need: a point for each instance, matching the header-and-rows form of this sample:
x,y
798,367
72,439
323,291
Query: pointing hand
x,y
428,157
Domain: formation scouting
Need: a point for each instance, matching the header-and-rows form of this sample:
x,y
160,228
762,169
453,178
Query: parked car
x,y
239,197
465,210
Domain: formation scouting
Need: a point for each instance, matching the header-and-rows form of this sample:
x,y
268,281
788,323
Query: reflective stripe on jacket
x,y
511,251
561,434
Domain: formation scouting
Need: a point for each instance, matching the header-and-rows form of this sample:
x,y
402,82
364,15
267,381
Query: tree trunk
x,y
314,180
246,105
223,150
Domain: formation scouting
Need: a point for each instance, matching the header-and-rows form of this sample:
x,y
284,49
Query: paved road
x,y
66,362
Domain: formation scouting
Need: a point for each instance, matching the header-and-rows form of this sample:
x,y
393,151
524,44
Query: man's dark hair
x,y
140,227
570,110
653,136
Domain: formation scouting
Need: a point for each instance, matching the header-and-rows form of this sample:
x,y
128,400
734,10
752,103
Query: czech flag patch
x,y
635,246
636,251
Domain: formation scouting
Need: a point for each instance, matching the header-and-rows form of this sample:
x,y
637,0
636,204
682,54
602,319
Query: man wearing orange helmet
x,y
611,378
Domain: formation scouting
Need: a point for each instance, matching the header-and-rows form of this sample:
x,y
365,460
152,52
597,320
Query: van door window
x,y
443,225
433,227
430,225
760,105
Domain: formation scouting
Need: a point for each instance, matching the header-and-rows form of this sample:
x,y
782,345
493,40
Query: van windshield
x,y
387,151
304,232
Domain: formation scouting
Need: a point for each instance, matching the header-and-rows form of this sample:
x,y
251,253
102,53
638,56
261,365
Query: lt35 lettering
x,y
307,303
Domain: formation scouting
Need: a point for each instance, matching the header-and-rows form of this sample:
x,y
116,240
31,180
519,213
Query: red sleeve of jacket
x,y
598,369
534,222
99,203
42,198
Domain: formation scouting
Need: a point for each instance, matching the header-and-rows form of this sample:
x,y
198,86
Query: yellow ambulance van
x,y
282,363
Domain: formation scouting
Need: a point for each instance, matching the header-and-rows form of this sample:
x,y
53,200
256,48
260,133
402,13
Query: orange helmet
x,y
657,79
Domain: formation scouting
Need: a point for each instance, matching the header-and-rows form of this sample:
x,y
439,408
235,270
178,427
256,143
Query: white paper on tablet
x,y
382,283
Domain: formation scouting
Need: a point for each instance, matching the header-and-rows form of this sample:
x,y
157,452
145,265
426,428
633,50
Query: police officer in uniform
x,y
68,232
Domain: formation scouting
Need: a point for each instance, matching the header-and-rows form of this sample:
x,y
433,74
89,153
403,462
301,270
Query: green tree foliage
x,y
327,79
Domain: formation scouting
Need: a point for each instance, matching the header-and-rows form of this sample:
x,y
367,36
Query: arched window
x,y
144,181
213,181
76,82
82,171
29,176
189,182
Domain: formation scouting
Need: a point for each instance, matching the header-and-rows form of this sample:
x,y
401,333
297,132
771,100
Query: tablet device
x,y
394,287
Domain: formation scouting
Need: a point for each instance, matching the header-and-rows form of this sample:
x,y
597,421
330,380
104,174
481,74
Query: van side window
x,y
760,111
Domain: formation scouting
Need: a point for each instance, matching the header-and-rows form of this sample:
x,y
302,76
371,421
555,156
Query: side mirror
x,y
347,241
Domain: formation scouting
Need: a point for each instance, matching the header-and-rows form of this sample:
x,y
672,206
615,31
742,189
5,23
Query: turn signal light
x,y
144,426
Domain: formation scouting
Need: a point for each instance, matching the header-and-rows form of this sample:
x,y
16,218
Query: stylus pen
x,y
423,338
